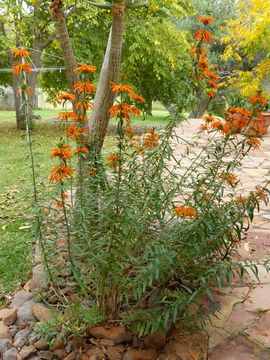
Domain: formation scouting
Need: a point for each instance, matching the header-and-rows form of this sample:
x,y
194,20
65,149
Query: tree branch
x,y
49,39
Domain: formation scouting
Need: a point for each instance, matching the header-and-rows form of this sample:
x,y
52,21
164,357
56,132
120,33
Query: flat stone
x,y
4,312
260,331
4,346
225,306
45,355
260,238
186,347
258,299
263,275
10,317
118,334
38,280
3,328
22,333
27,351
21,297
96,352
258,221
5,336
239,292
41,313
20,342
11,354
238,347
41,345
140,355
24,314
216,335
239,319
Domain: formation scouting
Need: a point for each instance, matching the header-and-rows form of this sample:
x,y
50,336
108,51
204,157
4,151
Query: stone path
x,y
240,326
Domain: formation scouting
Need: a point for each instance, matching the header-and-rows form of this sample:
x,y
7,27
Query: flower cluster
x,y
199,54
80,97
123,110
183,211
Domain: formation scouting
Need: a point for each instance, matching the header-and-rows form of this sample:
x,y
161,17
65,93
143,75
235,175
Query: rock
x,y
32,338
20,342
140,355
155,341
41,313
24,314
60,354
5,336
38,280
3,328
71,356
27,351
10,354
13,330
107,342
95,351
8,316
21,297
4,312
186,347
22,333
41,345
3,346
118,334
114,353
45,354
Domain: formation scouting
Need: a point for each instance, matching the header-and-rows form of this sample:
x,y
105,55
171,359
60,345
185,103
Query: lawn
x,y
16,233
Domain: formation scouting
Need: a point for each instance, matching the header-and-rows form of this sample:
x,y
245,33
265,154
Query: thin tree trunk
x,y
200,108
65,43
104,98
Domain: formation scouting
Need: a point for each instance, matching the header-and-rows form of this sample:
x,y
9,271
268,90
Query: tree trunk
x,y
33,79
200,108
104,98
65,43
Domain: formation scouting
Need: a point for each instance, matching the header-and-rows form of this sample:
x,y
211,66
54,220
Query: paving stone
x,y
260,331
258,299
38,280
259,221
262,274
238,347
225,306
239,292
239,319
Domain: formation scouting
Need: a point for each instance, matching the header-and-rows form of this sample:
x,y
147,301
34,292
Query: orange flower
x,y
203,64
76,132
117,88
62,152
84,105
211,94
209,118
212,75
216,124
66,96
151,140
124,111
81,149
151,130
203,35
229,178
113,160
254,142
60,172
129,131
199,51
185,211
22,53
26,89
260,193
91,172
18,68
203,127
206,20
241,199
213,84
83,68
67,115
137,97
258,99
84,86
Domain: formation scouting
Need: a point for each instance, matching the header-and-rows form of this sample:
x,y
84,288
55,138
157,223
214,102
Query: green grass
x,y
16,214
